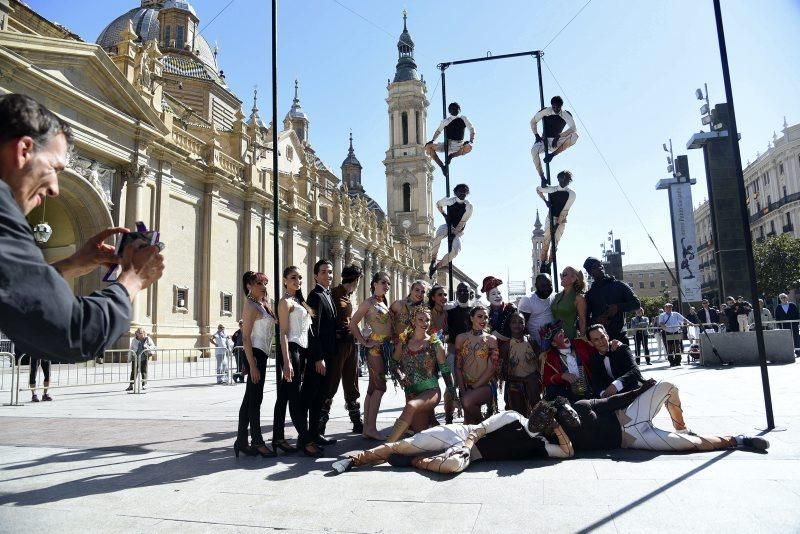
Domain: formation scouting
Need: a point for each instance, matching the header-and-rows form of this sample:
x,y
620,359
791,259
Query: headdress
x,y
489,283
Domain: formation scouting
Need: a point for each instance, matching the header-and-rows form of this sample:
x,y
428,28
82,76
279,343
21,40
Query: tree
x,y
651,305
777,261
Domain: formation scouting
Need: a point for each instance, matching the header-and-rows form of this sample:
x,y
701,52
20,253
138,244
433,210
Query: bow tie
x,y
326,291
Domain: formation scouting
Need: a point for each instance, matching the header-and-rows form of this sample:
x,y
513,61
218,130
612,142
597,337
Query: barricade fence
x,y
7,376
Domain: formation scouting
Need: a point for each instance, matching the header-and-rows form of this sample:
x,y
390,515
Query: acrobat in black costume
x,y
554,119
625,420
451,448
454,127
459,210
559,199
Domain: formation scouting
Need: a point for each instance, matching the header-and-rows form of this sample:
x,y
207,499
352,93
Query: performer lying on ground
x,y
451,448
459,210
419,354
559,200
453,127
554,119
625,420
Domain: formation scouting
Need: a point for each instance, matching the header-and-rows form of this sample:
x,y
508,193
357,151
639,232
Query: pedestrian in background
x,y
142,347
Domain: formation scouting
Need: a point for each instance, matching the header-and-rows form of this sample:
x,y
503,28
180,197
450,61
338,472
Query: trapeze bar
x,y
443,66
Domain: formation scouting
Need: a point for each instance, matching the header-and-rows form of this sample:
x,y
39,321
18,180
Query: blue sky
x,y
627,69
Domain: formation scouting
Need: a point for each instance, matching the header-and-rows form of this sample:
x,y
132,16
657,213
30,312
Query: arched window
x,y
404,124
417,131
167,31
406,196
179,37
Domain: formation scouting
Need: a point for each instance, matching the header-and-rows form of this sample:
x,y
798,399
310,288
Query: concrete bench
x,y
740,348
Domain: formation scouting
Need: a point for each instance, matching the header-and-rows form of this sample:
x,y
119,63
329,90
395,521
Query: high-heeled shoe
x,y
311,449
247,450
268,454
283,445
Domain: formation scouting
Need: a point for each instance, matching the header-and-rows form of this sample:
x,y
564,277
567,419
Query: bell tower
x,y
409,175
537,239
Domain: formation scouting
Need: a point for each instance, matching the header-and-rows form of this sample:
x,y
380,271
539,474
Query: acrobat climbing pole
x,y
446,170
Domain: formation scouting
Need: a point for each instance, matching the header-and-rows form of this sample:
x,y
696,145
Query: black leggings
x,y
45,371
289,392
250,411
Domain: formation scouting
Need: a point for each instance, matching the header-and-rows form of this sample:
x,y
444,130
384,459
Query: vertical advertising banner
x,y
685,241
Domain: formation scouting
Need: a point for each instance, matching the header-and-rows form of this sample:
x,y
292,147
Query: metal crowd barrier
x,y
8,375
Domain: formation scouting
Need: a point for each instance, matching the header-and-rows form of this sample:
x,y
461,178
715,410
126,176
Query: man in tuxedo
x,y
707,315
611,371
787,311
321,349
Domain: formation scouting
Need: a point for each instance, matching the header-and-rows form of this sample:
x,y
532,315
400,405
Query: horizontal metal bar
x,y
444,65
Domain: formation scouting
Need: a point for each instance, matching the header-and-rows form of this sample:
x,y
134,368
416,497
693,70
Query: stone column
x,y
247,237
368,272
204,297
162,293
337,254
136,175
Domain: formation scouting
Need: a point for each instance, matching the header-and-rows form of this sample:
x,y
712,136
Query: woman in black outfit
x,y
258,328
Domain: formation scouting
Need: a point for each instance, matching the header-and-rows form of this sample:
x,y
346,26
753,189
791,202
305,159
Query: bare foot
x,y
375,435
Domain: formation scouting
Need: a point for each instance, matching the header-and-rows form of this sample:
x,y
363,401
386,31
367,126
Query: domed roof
x,y
145,24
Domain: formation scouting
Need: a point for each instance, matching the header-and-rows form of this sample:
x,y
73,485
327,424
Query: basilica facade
x,y
161,138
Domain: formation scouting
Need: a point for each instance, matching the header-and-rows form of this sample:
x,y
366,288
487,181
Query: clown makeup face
x,y
495,297
561,340
517,325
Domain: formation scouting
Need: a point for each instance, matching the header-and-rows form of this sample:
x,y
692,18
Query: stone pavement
x,y
100,460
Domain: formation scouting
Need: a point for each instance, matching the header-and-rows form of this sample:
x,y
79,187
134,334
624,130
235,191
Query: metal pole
x,y
276,283
733,133
550,218
446,171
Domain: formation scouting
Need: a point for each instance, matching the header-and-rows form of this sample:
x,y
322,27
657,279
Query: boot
x,y
324,415
399,429
354,411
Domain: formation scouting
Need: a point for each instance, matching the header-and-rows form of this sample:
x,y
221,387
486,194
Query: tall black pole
x,y
446,171
276,282
733,134
550,218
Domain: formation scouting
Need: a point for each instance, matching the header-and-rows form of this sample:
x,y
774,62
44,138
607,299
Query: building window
x,y
652,283
289,153
772,226
663,283
651,275
417,128
226,304
180,303
641,275
406,196
788,219
641,285
179,37
404,126
769,200
784,192
780,168
167,31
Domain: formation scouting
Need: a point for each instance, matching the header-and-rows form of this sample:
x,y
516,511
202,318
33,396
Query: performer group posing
x,y
569,388
559,364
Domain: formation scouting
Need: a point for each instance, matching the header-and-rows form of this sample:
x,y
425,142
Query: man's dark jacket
x,y
322,340
38,310
608,291
623,368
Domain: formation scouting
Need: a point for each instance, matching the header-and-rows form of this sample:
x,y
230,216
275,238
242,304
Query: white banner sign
x,y
685,241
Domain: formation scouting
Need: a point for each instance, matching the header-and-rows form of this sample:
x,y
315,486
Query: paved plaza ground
x,y
100,460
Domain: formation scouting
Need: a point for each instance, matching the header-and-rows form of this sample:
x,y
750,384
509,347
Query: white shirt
x,y
671,322
449,201
571,361
616,383
221,341
546,112
450,119
540,311
554,188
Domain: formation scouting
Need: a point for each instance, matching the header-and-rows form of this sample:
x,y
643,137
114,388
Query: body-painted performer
x,y
457,323
420,355
375,313
459,210
437,300
401,309
559,200
569,305
554,120
499,311
477,360
344,366
520,368
506,436
625,420
453,127
537,308
566,365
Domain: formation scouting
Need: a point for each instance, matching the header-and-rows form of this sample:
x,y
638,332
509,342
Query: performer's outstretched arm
x,y
564,448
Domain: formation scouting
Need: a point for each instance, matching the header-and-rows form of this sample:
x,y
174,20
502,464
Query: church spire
x,y
296,119
406,66
351,170
254,116
537,227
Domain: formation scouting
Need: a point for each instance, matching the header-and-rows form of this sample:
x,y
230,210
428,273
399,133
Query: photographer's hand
x,y
91,255
141,266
